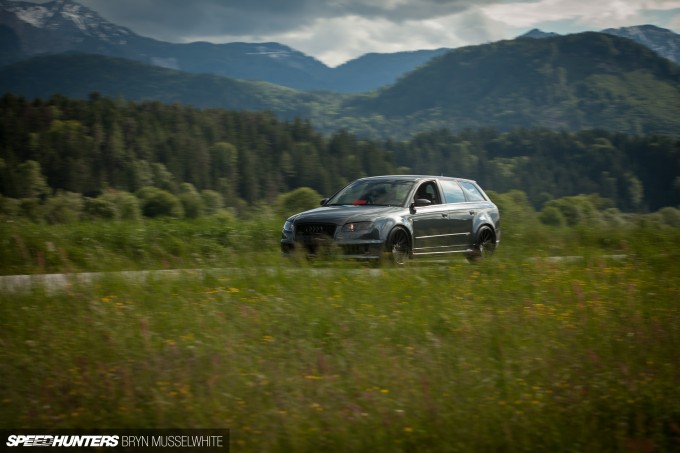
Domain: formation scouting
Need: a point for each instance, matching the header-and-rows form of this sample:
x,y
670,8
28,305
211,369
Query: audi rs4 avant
x,y
398,218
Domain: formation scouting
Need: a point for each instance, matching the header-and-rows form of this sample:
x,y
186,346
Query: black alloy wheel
x,y
399,246
485,244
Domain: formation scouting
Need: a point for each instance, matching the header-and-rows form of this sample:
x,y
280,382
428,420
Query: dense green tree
x,y
224,169
101,144
633,191
191,200
248,171
30,182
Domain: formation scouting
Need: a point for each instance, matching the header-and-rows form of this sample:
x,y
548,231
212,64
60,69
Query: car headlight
x,y
288,226
355,227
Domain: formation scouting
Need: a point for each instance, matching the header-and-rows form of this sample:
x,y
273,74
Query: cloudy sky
x,y
335,31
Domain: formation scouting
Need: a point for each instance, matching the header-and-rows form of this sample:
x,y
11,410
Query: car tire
x,y
485,244
398,246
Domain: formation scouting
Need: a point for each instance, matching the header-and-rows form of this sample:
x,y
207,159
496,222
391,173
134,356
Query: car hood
x,y
340,215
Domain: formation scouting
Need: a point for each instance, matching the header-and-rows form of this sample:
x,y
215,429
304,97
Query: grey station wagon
x,y
398,217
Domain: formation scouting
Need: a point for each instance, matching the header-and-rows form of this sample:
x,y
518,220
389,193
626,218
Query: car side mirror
x,y
418,203
324,201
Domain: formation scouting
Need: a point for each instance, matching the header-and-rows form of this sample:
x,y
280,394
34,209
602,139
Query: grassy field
x,y
517,353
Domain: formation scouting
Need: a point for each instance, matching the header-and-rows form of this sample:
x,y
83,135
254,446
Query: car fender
x,y
482,218
386,225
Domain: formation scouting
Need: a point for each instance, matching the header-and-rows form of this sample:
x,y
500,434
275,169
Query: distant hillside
x,y
662,41
78,75
374,70
588,80
573,82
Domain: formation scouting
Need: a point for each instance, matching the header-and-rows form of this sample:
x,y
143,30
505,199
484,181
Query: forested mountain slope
x,y
78,75
575,82
568,82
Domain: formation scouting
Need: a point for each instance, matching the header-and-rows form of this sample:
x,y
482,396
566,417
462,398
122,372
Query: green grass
x,y
514,354
100,246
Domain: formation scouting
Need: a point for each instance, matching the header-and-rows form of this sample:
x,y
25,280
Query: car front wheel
x,y
399,246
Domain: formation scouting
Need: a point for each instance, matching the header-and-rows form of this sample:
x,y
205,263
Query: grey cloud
x,y
398,11
175,19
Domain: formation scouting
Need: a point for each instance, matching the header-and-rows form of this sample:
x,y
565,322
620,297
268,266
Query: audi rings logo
x,y
313,229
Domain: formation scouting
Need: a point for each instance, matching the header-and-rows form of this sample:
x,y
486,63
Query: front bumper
x,y
317,246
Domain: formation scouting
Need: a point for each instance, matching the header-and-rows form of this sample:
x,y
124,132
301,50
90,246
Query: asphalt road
x,y
56,282
12,284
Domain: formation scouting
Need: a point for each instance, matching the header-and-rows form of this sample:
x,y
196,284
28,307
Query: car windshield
x,y
380,192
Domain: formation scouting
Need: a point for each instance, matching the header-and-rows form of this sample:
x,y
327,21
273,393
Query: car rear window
x,y
472,192
452,191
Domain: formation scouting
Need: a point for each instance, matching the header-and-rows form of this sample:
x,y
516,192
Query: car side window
x,y
452,191
428,191
472,192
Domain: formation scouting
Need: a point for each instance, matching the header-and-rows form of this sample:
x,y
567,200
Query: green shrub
x,y
212,201
126,204
157,202
551,215
64,207
671,216
99,208
297,200
192,204
32,209
9,207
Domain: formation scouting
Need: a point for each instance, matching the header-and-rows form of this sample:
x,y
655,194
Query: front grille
x,y
315,235
315,229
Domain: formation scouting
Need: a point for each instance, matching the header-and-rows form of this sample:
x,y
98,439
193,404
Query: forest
x,y
88,151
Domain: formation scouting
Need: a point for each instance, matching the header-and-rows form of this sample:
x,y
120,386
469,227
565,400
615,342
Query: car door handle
x,y
472,212
445,215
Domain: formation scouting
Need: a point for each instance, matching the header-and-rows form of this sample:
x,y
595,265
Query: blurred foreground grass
x,y
519,353
100,246
514,354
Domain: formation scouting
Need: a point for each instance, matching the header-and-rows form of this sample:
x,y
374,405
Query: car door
x,y
431,228
460,212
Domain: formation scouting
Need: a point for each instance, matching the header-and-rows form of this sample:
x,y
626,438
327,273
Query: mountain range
x,y
30,29
623,80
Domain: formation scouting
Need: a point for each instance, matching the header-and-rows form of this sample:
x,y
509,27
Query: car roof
x,y
416,178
